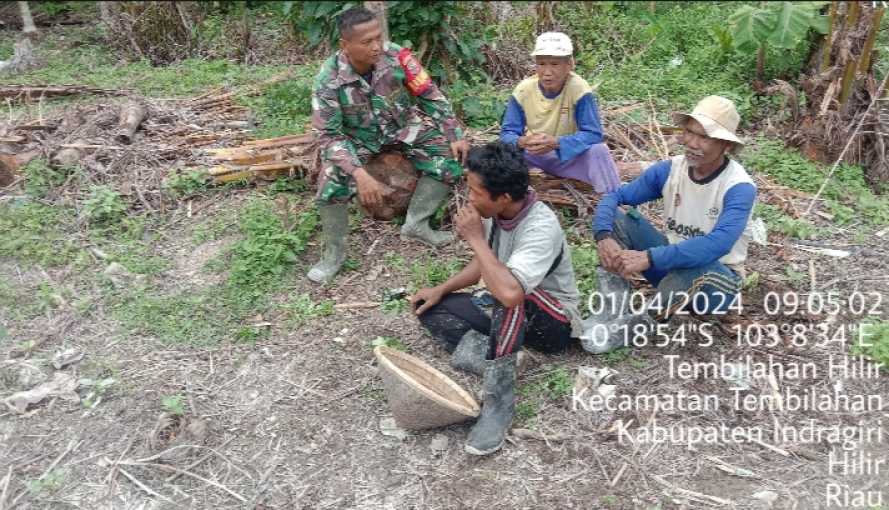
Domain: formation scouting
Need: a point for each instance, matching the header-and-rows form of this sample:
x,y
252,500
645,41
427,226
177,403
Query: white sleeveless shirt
x,y
692,209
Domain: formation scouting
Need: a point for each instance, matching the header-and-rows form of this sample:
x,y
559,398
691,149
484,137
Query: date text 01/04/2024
x,y
774,304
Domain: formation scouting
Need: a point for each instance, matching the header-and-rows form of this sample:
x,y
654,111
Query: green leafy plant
x,y
173,404
302,309
846,193
778,221
585,259
390,342
185,184
104,205
429,272
40,178
47,484
526,411
395,306
273,240
781,25
394,261
477,101
427,27
316,19
794,277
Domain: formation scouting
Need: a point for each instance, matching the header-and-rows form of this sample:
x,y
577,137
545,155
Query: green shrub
x,y
104,205
40,178
273,240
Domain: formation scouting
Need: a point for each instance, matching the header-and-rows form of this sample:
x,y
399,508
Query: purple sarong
x,y
593,166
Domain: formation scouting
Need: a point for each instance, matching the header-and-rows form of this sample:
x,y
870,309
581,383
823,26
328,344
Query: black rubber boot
x,y
471,353
489,432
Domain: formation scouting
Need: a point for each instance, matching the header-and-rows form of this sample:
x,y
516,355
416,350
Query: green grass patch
x,y
302,309
549,386
778,221
38,233
585,259
195,318
274,234
285,107
429,271
79,55
846,195
873,342
395,262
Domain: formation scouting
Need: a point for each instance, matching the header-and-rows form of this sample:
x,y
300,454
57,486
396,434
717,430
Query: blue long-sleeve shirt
x,y
586,116
695,251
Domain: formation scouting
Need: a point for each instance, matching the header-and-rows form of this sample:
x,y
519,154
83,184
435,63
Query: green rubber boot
x,y
489,432
427,197
335,229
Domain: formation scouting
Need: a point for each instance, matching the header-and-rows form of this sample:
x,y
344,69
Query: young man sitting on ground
x,y
521,253
708,200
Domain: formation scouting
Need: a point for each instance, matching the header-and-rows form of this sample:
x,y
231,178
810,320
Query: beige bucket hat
x,y
717,115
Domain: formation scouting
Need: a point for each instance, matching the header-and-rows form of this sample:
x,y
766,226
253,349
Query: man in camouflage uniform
x,y
365,98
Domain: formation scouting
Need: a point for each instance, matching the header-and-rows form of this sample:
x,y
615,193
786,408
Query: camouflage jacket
x,y
346,110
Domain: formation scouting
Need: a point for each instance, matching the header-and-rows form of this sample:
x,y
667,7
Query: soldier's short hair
x,y
354,16
502,169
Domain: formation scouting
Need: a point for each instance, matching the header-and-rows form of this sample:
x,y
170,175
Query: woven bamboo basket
x,y
420,396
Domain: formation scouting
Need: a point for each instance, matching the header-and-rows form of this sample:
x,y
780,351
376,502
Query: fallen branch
x,y
37,91
218,485
6,480
145,487
692,494
359,304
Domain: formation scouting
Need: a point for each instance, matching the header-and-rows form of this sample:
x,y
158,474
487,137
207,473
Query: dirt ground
x,y
294,420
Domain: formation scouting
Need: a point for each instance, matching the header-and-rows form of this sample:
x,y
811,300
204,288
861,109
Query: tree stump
x,y
399,178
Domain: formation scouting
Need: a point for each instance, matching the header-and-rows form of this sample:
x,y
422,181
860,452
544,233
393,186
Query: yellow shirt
x,y
554,116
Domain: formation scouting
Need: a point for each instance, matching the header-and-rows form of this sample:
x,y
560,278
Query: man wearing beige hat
x,y
554,118
697,265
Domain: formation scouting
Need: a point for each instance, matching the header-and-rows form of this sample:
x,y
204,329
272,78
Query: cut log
x,y
130,118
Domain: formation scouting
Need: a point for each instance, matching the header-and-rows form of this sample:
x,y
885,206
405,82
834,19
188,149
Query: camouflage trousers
x,y
425,147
